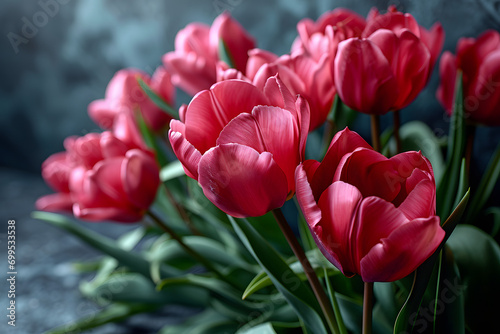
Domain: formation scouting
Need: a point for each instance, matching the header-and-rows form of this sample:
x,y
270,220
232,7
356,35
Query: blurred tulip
x,y
243,145
479,61
100,178
124,94
194,61
370,215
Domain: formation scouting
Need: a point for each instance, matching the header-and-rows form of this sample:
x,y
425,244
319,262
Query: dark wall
x,y
56,56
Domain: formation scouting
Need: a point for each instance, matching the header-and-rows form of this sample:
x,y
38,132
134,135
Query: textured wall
x,y
55,59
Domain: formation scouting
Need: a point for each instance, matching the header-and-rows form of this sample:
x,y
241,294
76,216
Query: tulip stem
x,y
397,123
207,264
375,123
182,213
318,290
367,308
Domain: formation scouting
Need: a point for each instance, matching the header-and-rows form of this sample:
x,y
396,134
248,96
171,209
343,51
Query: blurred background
x,y
56,56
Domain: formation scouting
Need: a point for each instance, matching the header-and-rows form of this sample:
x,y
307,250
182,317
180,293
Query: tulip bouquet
x,y
385,239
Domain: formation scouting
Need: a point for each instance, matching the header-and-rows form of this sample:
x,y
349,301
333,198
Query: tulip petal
x,y
278,93
485,90
403,251
371,172
448,74
210,111
242,182
103,112
55,203
364,78
109,213
376,220
140,178
339,204
187,154
106,178
421,201
344,142
111,146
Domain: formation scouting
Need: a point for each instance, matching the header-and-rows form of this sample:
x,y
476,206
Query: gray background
x,y
67,62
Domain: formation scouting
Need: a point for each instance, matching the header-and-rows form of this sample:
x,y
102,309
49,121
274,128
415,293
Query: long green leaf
x,y
225,55
483,192
405,321
286,281
478,259
108,246
207,322
151,140
113,313
171,171
456,147
158,100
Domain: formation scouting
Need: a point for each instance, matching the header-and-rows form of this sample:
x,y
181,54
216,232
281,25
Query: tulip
x,y
300,73
389,65
479,62
124,94
370,215
55,171
193,63
99,177
118,188
242,145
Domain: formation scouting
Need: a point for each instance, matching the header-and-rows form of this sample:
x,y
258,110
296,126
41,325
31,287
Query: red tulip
x,y
124,94
243,145
370,215
55,171
119,188
479,61
300,73
193,63
100,178
389,65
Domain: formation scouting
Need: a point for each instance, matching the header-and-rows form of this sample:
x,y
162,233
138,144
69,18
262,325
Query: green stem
x,y
375,124
182,213
367,308
207,264
318,290
397,123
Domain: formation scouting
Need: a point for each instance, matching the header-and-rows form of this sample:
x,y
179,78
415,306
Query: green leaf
x,y
113,313
417,136
483,192
478,259
456,147
286,281
158,100
405,321
495,212
342,115
151,140
212,250
448,308
207,322
463,184
352,313
135,288
305,234
108,246
225,54
335,304
171,171
270,328
317,260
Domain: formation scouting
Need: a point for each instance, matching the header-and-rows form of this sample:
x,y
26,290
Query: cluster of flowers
x,y
243,135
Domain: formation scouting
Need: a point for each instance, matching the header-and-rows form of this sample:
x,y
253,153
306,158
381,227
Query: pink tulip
x,y
370,215
300,73
194,61
396,21
243,145
124,94
479,62
383,72
99,177
55,171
